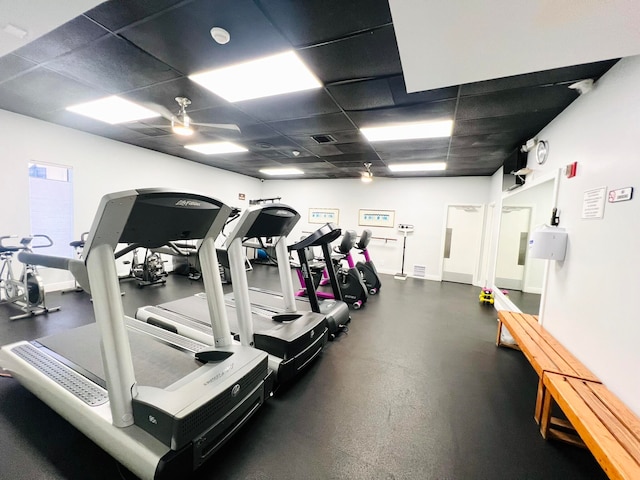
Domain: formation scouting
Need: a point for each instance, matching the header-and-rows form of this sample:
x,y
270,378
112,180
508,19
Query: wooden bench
x,y
605,425
542,350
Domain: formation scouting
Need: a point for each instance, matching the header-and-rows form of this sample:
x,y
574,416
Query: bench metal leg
x,y
499,333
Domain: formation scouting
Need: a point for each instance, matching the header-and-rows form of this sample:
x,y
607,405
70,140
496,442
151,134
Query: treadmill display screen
x,y
156,220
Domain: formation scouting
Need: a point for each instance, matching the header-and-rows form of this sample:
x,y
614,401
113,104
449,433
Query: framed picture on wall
x,y
324,215
377,218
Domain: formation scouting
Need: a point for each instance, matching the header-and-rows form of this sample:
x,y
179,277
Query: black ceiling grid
x,y
145,50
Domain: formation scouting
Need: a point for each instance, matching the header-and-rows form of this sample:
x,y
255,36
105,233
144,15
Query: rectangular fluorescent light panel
x,y
113,110
409,131
273,75
281,171
417,167
215,148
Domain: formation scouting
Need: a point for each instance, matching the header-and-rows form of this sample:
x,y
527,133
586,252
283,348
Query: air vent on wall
x,y
323,138
420,271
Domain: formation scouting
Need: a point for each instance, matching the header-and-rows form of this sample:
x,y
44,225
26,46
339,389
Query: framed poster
x,y
324,215
377,218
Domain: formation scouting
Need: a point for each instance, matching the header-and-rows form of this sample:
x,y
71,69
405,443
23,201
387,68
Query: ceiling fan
x,y
181,123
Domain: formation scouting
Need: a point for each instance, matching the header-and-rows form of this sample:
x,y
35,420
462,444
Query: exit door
x,y
463,239
512,247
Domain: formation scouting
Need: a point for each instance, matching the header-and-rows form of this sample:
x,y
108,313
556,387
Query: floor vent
x,y
420,271
323,138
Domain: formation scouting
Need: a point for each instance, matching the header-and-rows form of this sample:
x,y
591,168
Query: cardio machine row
x,y
160,401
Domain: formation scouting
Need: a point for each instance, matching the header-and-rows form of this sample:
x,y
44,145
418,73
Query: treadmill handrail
x,y
77,267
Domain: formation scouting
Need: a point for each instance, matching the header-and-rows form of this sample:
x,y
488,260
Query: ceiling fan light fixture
x,y
408,131
216,148
264,77
417,167
113,110
181,130
181,125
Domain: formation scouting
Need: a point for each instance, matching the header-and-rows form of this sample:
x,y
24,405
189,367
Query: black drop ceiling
x,y
145,50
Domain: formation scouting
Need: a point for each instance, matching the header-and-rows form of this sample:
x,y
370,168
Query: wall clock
x,y
542,151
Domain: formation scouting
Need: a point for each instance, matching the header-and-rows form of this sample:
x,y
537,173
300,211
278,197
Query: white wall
x,y
418,201
592,303
99,166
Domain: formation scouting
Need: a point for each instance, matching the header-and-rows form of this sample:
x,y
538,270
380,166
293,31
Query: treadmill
x,y
159,403
291,337
335,310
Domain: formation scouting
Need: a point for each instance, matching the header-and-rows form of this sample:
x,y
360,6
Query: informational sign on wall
x,y
377,218
593,203
324,215
621,195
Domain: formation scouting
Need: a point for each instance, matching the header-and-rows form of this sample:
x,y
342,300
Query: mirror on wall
x,y
515,272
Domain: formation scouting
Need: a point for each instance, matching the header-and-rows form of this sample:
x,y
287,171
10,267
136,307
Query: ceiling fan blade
x,y
156,126
161,109
221,126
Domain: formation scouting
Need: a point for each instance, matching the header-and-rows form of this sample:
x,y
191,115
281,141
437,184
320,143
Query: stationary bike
x,y
354,291
367,269
26,290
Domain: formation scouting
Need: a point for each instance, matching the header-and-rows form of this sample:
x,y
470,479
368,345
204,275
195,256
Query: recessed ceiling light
x,y
408,131
417,167
220,35
273,75
281,171
214,148
113,110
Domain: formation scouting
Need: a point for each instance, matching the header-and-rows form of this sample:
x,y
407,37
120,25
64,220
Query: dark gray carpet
x,y
415,390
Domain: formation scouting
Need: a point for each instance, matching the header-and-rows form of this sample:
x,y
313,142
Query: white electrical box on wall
x,y
547,242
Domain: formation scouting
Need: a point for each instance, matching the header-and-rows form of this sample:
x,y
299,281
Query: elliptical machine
x,y
367,269
149,271
353,289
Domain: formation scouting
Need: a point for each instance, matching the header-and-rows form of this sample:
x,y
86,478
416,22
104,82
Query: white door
x,y
512,247
463,239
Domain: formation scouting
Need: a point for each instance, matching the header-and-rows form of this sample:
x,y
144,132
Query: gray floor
x,y
415,390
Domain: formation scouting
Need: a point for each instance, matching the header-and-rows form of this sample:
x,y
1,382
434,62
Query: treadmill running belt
x,y
154,364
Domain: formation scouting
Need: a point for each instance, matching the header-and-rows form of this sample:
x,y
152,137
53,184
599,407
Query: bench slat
x,y
559,349
603,409
612,457
530,344
619,410
549,354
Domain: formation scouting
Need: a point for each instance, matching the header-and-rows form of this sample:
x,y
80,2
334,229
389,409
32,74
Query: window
x,y
51,206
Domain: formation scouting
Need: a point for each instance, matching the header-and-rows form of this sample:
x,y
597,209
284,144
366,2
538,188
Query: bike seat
x,y
77,244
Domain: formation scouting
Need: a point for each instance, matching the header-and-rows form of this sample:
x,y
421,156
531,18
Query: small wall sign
x,y
377,218
593,203
324,215
241,196
620,195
